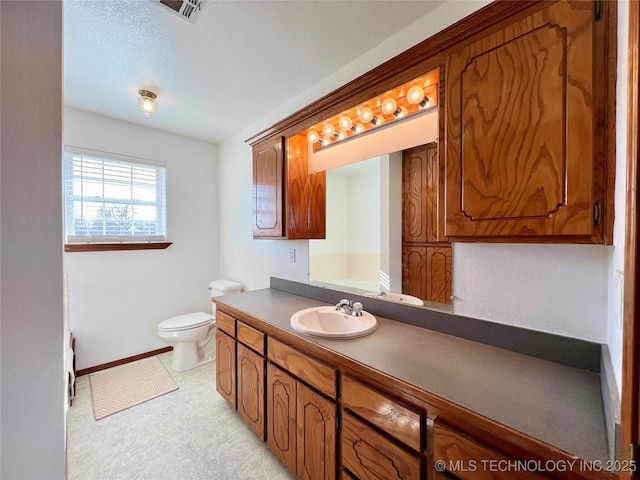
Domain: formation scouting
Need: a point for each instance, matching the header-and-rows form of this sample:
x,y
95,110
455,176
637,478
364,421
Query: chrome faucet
x,y
350,308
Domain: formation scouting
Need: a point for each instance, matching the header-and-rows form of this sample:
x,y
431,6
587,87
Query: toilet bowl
x,y
192,335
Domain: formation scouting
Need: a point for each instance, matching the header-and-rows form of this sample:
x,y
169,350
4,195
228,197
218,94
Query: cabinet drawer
x,y
315,373
251,337
472,460
369,455
396,419
226,323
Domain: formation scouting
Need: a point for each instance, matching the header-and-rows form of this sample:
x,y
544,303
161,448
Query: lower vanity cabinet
x,y
226,358
459,456
301,421
381,437
250,367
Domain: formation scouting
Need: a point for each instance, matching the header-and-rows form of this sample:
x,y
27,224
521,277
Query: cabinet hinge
x,y
597,12
597,213
631,456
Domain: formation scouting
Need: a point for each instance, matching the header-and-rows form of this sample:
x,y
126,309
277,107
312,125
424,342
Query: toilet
x,y
192,335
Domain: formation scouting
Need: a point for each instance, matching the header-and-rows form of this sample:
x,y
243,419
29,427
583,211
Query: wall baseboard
x,y
122,361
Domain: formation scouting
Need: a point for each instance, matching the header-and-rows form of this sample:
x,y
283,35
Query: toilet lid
x,y
183,322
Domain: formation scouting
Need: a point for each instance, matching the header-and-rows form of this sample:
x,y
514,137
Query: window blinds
x,y
113,199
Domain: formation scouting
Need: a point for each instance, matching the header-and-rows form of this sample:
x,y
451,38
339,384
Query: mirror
x,y
363,249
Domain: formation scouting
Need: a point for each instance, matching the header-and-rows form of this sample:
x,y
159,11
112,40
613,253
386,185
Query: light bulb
x,y
427,102
345,123
359,128
379,120
313,136
328,130
366,115
389,106
415,95
147,102
402,112
326,141
342,135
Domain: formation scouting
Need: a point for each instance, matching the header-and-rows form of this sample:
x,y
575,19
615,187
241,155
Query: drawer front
x,y
226,323
251,337
398,420
466,458
313,372
369,455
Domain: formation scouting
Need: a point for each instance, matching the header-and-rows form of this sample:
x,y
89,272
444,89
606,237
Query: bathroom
x,y
115,316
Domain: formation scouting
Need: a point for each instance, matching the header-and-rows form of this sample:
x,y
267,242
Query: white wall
x,y
117,299
32,418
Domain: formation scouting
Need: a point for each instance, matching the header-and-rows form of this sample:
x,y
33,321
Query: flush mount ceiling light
x,y
147,102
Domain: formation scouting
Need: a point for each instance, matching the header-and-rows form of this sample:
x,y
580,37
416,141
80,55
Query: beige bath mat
x,y
125,386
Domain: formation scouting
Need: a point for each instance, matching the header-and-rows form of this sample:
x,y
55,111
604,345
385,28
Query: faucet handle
x,y
342,303
357,309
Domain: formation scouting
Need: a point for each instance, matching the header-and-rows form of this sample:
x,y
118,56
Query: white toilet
x,y
192,334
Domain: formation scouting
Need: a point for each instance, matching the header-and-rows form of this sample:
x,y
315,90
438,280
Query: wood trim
x,y
630,413
122,361
425,56
108,247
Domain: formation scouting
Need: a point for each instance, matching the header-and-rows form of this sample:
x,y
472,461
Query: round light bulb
x,y
415,95
345,123
342,135
366,115
389,106
313,136
359,128
147,102
328,130
326,141
403,112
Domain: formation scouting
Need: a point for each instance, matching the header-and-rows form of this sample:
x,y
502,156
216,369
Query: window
x,y
110,199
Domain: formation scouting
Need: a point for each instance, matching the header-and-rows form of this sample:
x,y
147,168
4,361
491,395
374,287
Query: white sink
x,y
398,297
328,322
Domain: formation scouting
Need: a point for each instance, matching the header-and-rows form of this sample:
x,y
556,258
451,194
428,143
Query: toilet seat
x,y
185,322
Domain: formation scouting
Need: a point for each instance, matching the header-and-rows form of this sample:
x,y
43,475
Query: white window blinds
x,y
113,199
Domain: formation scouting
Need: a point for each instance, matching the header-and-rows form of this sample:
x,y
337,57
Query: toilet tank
x,y
223,287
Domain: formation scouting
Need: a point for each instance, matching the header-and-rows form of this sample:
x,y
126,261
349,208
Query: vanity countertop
x,y
554,403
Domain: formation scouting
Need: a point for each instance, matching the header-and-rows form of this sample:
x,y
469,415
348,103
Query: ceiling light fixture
x,y
147,102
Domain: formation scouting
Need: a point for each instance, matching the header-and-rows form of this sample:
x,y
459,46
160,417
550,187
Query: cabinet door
x,y
414,270
519,119
316,419
414,196
268,177
251,389
438,274
281,416
226,367
318,205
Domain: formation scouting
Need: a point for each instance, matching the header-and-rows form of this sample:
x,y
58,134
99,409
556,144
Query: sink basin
x,y
399,297
328,322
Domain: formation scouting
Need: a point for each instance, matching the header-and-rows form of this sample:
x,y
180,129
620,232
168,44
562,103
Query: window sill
x,y
108,247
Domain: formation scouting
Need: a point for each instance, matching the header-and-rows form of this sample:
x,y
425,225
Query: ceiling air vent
x,y
187,9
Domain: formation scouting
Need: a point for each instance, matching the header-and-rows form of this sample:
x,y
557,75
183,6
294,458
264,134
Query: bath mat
x,y
125,386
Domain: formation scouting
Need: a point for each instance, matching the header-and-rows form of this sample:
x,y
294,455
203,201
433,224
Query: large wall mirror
x,y
364,250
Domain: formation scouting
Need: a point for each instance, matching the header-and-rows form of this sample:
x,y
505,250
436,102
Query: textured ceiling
x,y
239,61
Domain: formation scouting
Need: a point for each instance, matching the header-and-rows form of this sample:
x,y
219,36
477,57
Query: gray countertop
x,y
554,403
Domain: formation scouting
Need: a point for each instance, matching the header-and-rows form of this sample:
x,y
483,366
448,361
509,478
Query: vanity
x,y
404,401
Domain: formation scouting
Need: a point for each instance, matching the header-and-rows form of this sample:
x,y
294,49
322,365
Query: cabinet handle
x,y
452,297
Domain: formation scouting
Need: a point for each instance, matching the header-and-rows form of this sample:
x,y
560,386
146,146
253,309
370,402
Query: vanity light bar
x,y
400,103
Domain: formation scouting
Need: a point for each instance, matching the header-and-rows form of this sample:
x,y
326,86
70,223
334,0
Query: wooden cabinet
x,y
287,201
521,147
268,188
226,367
465,458
251,389
301,424
426,255
372,425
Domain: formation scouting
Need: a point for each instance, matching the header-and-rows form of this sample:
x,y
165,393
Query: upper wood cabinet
x,y
522,148
268,189
287,201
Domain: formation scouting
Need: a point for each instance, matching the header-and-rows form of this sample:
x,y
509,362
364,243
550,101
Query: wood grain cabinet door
x,y
226,367
439,274
520,129
281,416
268,178
316,419
414,270
414,196
251,390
